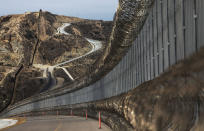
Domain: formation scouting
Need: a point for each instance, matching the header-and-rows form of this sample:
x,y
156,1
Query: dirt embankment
x,y
17,39
173,101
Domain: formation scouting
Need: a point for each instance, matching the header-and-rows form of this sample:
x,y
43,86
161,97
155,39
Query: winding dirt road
x,y
48,70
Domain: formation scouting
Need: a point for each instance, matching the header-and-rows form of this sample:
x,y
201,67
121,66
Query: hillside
x,y
40,51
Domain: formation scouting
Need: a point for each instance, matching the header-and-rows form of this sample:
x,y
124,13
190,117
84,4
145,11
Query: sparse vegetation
x,y
31,38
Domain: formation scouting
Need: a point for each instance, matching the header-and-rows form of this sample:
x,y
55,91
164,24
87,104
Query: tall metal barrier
x,y
173,31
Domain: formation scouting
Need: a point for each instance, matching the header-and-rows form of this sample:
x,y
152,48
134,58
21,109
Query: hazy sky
x,y
91,9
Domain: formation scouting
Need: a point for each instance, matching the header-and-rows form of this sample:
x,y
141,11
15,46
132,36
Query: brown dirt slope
x,y
31,38
97,30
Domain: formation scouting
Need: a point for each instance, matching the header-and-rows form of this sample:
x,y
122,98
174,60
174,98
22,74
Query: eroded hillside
x,y
40,51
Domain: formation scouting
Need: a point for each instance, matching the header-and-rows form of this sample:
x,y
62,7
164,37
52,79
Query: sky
x,y
89,9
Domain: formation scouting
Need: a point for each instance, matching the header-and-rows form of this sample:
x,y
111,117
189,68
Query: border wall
x,y
172,32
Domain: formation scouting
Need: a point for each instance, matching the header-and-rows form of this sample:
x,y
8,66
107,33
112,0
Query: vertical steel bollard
x,y
99,117
86,114
71,113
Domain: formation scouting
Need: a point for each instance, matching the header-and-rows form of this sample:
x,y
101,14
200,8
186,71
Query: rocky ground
x,y
31,39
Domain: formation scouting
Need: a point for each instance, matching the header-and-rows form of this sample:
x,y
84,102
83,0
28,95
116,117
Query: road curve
x,y
95,44
61,29
59,123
